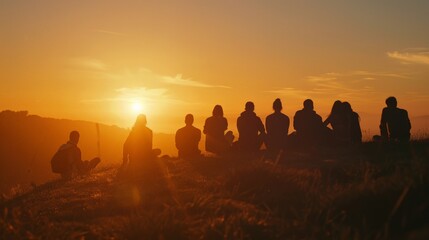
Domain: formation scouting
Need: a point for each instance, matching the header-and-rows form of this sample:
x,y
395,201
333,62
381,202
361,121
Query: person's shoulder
x,y
299,112
386,109
316,114
403,110
284,116
149,130
196,129
180,130
270,116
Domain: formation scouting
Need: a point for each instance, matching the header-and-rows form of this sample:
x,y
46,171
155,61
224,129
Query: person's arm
x,y
261,127
267,125
408,121
199,135
287,123
239,125
357,122
327,121
126,151
383,125
151,140
296,122
205,128
177,140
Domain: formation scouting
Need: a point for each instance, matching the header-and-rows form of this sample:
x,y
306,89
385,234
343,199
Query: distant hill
x,y
27,143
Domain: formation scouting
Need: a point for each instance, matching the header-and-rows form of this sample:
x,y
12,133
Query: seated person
x,y
188,138
251,130
214,128
353,125
395,124
308,125
67,161
138,145
277,125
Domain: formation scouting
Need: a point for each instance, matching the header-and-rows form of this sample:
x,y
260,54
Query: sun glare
x,y
137,107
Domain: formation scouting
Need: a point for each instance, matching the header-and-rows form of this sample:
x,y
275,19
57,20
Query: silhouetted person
x,y
138,146
187,139
308,124
251,131
395,124
338,121
277,125
214,128
353,126
229,137
67,161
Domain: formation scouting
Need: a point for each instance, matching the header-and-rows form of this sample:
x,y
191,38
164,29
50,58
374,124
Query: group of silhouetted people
x,y
310,131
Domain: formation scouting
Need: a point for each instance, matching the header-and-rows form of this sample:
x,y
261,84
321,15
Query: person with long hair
x,y
138,146
353,125
338,121
277,125
214,129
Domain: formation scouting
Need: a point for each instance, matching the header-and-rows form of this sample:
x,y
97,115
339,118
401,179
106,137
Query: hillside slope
x,y
376,196
27,143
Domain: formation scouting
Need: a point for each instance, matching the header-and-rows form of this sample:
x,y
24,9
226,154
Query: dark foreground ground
x,y
373,193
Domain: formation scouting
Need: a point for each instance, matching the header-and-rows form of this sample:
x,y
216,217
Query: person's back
x,y
307,123
250,129
277,125
338,121
138,145
67,161
395,123
214,128
354,131
187,139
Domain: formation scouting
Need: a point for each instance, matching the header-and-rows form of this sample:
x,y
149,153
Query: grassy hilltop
x,y
368,194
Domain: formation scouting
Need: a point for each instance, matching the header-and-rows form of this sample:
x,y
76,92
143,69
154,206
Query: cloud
x,y
179,80
136,76
132,95
420,56
351,85
89,64
140,94
373,75
297,93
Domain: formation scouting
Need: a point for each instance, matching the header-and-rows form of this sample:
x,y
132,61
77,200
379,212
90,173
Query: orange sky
x,y
92,60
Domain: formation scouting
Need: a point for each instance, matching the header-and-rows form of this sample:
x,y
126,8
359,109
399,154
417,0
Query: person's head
x,y
250,106
337,108
347,107
391,102
308,104
74,137
189,119
140,121
277,105
217,111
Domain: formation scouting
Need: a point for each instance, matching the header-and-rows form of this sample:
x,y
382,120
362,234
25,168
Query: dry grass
x,y
377,192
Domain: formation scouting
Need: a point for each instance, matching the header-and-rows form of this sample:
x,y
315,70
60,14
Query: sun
x,y
137,107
